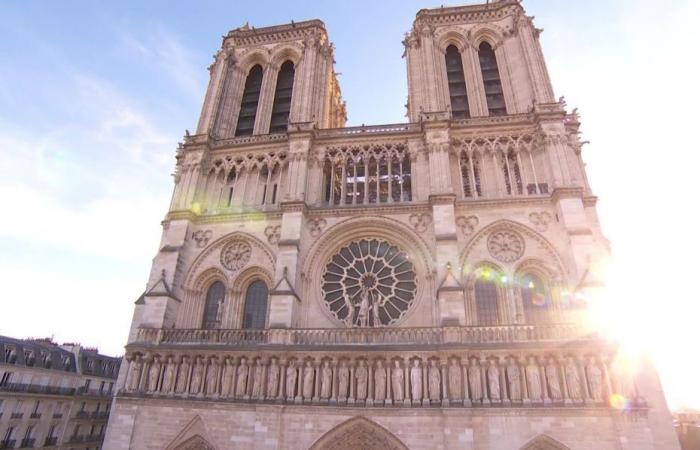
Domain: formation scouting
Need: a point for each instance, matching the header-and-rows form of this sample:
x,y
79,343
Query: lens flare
x,y
619,402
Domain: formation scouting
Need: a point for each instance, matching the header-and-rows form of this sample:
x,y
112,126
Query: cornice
x,y
468,13
247,35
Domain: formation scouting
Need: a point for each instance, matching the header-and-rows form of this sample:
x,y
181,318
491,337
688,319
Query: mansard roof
x,y
36,353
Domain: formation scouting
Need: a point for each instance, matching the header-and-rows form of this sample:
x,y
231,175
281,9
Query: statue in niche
x,y
534,382
416,376
454,375
273,377
513,375
308,381
379,381
474,375
434,381
168,376
573,380
552,372
361,375
182,375
197,374
326,379
291,379
219,310
363,314
258,378
211,377
397,381
135,373
494,381
153,374
595,380
241,377
368,307
343,378
226,378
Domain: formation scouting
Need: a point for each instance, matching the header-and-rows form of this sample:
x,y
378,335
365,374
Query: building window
x,y
486,299
7,438
249,102
536,299
456,83
492,80
214,300
510,166
255,309
6,377
471,175
283,98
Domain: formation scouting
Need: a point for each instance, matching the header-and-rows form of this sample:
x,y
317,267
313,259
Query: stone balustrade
x,y
578,376
472,335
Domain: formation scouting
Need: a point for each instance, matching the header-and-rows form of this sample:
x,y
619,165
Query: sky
x,y
94,97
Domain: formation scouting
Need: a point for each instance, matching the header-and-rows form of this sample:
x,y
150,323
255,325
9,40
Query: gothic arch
x,y
236,306
193,436
346,231
284,52
452,37
543,250
544,442
488,33
358,432
250,58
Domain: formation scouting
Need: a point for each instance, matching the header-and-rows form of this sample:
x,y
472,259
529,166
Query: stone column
x,y
443,376
217,74
267,95
465,382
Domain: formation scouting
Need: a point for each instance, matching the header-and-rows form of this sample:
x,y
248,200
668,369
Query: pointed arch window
x,y
214,300
492,80
249,102
536,299
486,299
456,83
283,98
255,309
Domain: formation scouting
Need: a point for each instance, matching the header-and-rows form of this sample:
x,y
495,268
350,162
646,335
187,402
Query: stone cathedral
x,y
406,286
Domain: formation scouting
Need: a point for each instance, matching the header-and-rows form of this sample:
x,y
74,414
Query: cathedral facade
x,y
407,286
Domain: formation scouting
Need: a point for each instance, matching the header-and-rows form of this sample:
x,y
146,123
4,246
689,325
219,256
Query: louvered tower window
x,y
492,81
249,103
456,83
283,98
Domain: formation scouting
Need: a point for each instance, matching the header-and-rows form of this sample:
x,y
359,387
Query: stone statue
x,y
513,375
291,379
273,377
343,379
379,381
219,310
182,375
474,375
241,377
416,376
135,373
397,381
573,380
434,381
534,383
349,319
552,373
226,378
363,314
153,375
211,377
595,380
168,376
361,376
258,379
197,374
454,376
308,381
494,381
326,380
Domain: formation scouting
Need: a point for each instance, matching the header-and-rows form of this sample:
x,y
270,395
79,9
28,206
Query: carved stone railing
x,y
368,129
420,336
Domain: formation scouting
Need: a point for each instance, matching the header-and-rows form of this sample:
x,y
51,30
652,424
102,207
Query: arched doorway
x,y
358,433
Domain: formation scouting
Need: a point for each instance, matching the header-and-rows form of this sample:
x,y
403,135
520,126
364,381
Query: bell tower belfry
x,y
264,78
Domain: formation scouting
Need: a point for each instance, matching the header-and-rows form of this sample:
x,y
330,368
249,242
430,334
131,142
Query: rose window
x,y
369,283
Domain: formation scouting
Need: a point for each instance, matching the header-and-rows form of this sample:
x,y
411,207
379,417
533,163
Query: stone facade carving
x,y
434,381
416,381
420,222
201,237
467,224
506,245
397,381
235,255
273,234
540,220
316,226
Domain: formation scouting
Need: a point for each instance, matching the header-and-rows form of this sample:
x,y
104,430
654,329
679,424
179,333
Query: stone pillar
x,y
265,102
443,379
217,75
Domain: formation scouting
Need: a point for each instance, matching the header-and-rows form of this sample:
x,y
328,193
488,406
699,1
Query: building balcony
x,y
35,416
50,441
82,415
27,443
99,415
16,415
364,337
36,389
83,391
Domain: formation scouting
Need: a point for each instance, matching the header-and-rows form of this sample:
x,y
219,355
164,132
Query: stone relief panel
x,y
316,226
272,233
506,245
467,224
540,220
201,237
420,221
235,255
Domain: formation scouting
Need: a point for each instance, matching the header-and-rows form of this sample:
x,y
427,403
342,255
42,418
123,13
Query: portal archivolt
x,y
358,433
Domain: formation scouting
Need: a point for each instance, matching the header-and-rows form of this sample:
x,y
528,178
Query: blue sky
x,y
94,97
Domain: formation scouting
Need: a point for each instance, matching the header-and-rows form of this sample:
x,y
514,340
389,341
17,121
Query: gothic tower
x,y
381,287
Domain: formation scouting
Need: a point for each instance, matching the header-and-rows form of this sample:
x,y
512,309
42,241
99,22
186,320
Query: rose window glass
x,y
369,283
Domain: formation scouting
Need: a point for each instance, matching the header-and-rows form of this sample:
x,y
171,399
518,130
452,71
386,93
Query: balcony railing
x,y
35,416
36,389
505,334
16,415
82,415
50,441
7,443
57,415
27,443
99,415
93,392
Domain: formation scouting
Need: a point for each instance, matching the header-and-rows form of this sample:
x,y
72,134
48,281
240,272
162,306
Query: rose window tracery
x,y
369,283
235,255
506,245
